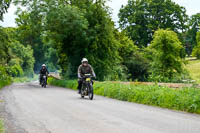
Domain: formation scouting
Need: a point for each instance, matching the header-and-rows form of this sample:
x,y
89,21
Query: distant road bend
x,y
33,109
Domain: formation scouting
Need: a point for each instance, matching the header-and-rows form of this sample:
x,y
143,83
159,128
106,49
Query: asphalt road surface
x,y
32,109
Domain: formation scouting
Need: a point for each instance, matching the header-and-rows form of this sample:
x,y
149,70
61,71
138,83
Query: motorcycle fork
x,y
88,87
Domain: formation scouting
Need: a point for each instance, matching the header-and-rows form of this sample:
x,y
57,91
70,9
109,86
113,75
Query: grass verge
x,y
4,83
1,127
184,99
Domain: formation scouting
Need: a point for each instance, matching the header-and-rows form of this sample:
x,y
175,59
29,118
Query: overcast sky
x,y
192,7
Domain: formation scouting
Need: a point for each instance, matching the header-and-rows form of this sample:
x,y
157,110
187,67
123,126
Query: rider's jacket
x,y
82,70
44,71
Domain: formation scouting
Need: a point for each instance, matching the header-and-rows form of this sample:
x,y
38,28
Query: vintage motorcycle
x,y
44,81
87,87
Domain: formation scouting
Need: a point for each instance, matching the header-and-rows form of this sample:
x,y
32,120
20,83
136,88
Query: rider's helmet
x,y
43,65
84,60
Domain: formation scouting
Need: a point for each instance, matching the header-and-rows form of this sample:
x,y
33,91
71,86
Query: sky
x,y
192,7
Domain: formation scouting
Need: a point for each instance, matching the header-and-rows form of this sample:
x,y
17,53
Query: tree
x,y
29,32
4,58
4,47
101,38
134,62
4,5
167,62
194,24
67,27
21,57
84,32
190,39
16,58
141,18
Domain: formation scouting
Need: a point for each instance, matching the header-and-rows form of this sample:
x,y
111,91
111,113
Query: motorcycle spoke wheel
x,y
91,94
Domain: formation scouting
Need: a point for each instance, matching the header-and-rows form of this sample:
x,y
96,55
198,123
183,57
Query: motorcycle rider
x,y
83,69
43,72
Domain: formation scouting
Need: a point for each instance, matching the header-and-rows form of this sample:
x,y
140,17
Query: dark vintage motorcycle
x,y
87,87
44,81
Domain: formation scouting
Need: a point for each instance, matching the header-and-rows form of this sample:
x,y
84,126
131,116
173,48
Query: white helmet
x,y
43,65
84,60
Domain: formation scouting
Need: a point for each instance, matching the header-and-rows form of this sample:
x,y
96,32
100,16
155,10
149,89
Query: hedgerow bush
x,y
184,99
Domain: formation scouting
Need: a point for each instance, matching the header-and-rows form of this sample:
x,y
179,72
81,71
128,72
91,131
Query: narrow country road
x,y
32,109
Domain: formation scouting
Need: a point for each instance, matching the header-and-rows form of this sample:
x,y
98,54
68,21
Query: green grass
x,y
1,127
193,68
4,83
185,99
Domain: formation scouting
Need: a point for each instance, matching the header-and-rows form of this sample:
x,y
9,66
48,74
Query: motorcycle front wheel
x,y
91,93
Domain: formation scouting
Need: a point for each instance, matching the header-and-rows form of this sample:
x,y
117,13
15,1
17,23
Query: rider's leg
x,y
79,85
40,79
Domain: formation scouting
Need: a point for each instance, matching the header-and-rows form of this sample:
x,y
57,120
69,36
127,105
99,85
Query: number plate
x,y
88,79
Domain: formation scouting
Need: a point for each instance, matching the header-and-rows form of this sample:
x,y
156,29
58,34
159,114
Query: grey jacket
x,y
82,70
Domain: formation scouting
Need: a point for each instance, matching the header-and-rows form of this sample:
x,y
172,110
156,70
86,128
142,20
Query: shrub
x,y
138,66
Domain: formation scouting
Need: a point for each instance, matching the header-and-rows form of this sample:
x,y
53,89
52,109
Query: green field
x,y
193,68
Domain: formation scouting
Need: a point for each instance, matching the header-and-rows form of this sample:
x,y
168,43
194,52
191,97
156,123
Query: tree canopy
x,y
141,18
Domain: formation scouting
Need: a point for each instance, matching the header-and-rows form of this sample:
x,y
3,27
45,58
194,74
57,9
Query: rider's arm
x,y
79,72
93,73
47,72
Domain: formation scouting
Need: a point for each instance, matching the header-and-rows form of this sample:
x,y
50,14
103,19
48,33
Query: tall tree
x,y
141,18
194,24
31,28
86,31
